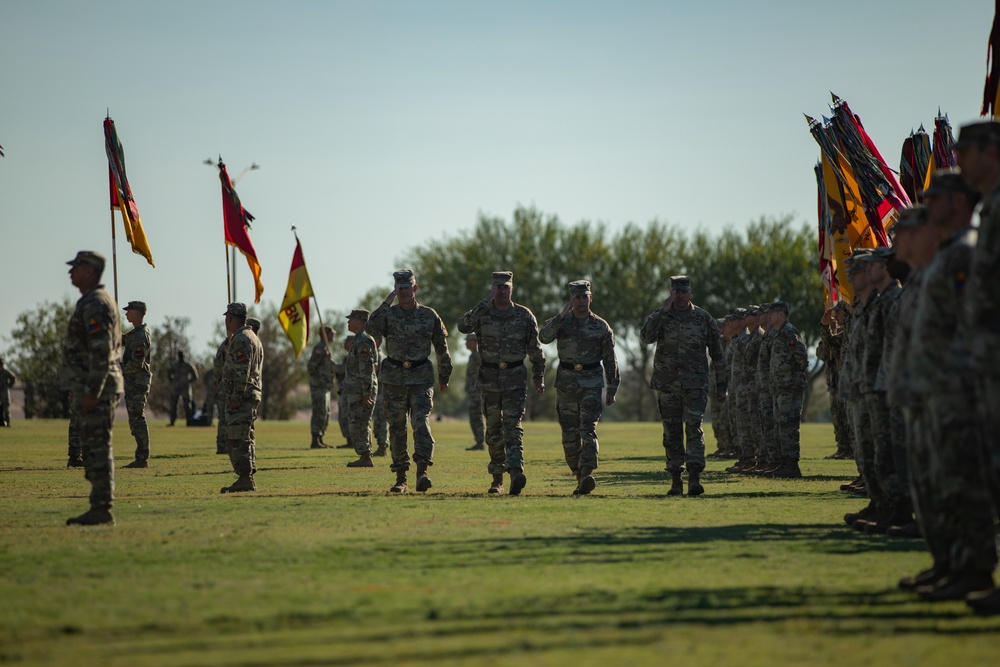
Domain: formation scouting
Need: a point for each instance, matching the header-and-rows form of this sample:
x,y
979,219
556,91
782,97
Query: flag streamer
x,y
237,225
121,193
294,314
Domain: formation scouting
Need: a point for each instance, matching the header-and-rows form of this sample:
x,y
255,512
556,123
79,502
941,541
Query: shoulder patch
x,y
241,357
139,352
960,279
93,326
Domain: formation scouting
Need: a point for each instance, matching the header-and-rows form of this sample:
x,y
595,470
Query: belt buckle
x,y
502,365
577,367
407,364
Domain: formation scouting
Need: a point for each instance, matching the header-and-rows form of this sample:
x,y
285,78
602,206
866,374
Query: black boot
x,y
517,481
586,483
676,486
694,484
423,481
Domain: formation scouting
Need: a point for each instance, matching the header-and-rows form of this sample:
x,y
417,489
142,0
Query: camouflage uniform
x,y
753,392
852,389
241,383
181,375
217,367
788,363
7,380
475,397
91,354
766,399
830,351
583,345
338,373
138,376
740,394
680,379
320,368
408,376
505,338
379,424
360,382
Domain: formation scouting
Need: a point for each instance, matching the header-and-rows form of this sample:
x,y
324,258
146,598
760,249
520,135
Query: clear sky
x,y
380,124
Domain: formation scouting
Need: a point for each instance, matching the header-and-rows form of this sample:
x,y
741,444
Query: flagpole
x,y
114,253
229,293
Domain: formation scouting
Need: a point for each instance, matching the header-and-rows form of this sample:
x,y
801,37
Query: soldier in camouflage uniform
x,y
380,427
320,368
91,354
181,375
136,353
734,326
217,366
769,452
978,151
241,391
7,380
585,342
474,396
410,330
830,351
683,332
360,387
342,421
754,391
720,410
507,333
787,377
744,319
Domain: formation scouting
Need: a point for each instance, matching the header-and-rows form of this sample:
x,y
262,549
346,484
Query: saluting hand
x,y
565,311
392,297
668,303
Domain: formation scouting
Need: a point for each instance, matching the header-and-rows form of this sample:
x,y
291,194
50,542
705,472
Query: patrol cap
x,y
237,309
910,217
253,323
680,283
404,278
720,321
948,181
882,254
88,258
359,314
755,309
980,132
501,278
135,305
579,287
471,336
737,313
778,307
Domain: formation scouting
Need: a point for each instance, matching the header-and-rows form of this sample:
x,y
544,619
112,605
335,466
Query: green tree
x,y
36,356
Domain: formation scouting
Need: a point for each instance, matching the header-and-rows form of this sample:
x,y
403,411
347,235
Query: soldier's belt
x,y
504,364
578,367
407,363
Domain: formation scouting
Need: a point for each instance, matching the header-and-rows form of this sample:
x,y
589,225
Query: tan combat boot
x,y
587,482
400,486
497,487
423,481
244,483
364,461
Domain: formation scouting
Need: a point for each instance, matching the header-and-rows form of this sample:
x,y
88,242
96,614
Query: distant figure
x,y
360,387
136,354
241,391
476,420
181,375
216,388
320,367
340,372
7,380
91,353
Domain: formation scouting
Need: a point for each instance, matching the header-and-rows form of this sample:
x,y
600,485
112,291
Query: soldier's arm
x,y
376,323
651,327
439,338
238,358
719,362
550,330
536,354
368,356
611,375
467,323
99,341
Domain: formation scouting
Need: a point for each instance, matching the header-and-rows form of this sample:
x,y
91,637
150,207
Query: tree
x,y
167,339
36,356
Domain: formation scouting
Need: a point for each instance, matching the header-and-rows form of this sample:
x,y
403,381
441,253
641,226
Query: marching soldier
x,y
136,354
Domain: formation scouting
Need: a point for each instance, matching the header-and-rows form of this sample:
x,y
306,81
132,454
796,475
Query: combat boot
x,y
789,469
694,483
138,463
853,517
910,530
476,447
957,586
676,484
316,444
984,603
346,445
853,484
244,483
364,461
423,481
380,451
75,462
496,487
95,516
517,481
585,482
740,465
926,578
400,486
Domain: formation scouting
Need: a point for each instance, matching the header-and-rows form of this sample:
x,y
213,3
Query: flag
x,y
991,91
121,193
237,224
827,258
294,315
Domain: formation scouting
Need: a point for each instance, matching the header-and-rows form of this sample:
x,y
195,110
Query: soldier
x,y
734,325
474,396
720,411
410,330
218,365
91,354
682,332
320,368
7,380
744,319
830,352
241,391
507,332
380,427
768,451
585,342
749,419
181,375
360,387
136,354
339,374
788,364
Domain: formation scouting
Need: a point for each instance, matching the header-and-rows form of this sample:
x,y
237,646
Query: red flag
x,y
991,91
237,224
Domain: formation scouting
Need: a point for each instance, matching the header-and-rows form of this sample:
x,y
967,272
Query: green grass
x,y
321,566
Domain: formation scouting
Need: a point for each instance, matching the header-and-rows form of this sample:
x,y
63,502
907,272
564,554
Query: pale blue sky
x,y
380,124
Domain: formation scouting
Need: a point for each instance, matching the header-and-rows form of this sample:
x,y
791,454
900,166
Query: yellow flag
x,y
294,315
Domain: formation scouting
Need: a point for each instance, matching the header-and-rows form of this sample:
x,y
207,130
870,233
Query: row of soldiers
x,y
914,371
767,360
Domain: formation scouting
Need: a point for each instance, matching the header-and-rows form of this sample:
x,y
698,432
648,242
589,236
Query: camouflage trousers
x,y
320,411
899,444
416,402
185,395
504,411
94,429
345,426
720,426
741,423
135,404
5,406
379,424
240,435
921,480
770,450
880,425
579,410
787,417
75,450
718,430
681,411
359,417
988,400
476,420
961,516
864,449
220,430
842,431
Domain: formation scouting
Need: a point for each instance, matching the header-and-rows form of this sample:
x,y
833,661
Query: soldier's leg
x,y
884,464
568,413
239,436
769,425
671,407
789,417
320,412
188,404
841,428
493,412
379,424
514,403
591,409
898,431
345,429
396,410
988,401
5,409
359,416
221,446
694,401
74,449
421,404
741,418
918,452
476,422
95,440
172,412
135,405
864,450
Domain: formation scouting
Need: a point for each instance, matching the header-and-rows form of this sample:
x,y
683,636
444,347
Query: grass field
x,y
322,567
